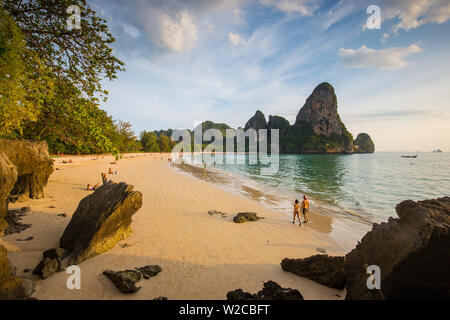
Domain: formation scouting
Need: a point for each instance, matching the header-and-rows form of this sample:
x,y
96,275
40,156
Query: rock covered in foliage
x,y
246,217
11,287
125,280
412,251
271,291
320,268
363,144
101,220
257,122
8,178
34,166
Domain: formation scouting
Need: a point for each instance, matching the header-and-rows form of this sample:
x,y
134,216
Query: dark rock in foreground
x,y
125,281
101,220
11,287
321,268
413,253
270,291
149,271
245,217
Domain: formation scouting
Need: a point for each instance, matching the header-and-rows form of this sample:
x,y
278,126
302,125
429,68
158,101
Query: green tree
x,y
77,60
150,141
24,80
164,143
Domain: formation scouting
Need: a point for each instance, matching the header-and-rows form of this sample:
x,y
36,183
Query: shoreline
x,y
202,256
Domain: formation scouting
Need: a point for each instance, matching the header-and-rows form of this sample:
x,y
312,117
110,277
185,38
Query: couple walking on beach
x,y
303,208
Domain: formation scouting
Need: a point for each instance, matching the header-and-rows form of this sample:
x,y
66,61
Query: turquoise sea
x,y
366,186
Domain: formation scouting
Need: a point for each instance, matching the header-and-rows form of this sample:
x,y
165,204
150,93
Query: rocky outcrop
x,y
246,217
257,122
34,167
11,287
320,111
412,252
8,177
270,291
100,221
363,144
13,218
321,268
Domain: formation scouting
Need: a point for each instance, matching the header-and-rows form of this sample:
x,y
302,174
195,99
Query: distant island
x,y
318,128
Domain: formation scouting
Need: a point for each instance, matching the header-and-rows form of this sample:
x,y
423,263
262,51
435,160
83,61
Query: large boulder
x,y
125,280
271,291
363,144
412,252
34,166
11,287
242,217
100,221
320,111
8,177
321,268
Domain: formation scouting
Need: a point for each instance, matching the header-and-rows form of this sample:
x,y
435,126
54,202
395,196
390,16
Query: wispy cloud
x,y
304,7
236,40
365,57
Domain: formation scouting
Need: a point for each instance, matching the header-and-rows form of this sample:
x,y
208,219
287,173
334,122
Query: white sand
x,y
202,256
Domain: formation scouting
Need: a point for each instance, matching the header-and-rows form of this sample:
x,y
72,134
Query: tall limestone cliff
x,y
320,111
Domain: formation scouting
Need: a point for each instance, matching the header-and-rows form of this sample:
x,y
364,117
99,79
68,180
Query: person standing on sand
x,y
305,208
297,213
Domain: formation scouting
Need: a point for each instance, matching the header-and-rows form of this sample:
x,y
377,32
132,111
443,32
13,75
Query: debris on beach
x,y
125,245
149,271
13,218
62,215
321,250
215,212
246,216
270,291
320,268
26,239
125,281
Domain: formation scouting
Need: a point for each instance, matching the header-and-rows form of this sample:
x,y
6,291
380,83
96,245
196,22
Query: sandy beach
x,y
202,256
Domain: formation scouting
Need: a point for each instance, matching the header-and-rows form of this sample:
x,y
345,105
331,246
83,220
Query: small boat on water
x,y
409,156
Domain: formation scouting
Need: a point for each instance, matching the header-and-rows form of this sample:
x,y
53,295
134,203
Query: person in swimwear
x,y
305,208
297,213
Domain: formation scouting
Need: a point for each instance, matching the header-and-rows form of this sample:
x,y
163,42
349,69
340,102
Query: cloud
x,y
364,57
414,13
236,39
132,31
305,7
174,32
238,16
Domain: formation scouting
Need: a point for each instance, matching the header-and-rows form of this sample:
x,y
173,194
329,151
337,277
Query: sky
x,y
195,60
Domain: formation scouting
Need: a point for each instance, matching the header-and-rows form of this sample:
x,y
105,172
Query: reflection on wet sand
x,y
320,220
